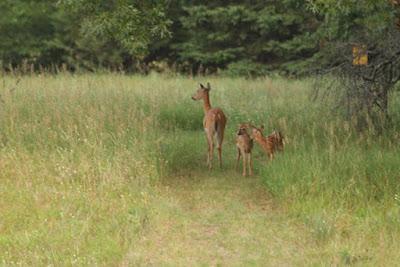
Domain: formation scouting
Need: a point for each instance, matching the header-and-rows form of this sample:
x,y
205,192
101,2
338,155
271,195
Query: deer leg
x,y
249,158
244,162
270,156
220,138
237,159
210,150
219,153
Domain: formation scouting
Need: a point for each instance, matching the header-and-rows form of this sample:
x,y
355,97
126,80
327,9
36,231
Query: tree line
x,y
249,37
237,37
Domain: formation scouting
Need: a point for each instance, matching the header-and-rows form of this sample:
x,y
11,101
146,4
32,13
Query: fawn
x,y
244,146
214,123
270,143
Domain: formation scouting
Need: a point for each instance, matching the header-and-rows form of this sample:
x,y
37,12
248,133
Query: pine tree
x,y
246,36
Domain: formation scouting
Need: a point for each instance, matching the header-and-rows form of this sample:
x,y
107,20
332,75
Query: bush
x,y
245,68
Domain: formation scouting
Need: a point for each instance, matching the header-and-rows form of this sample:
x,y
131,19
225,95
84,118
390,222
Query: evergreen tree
x,y
131,23
39,33
246,36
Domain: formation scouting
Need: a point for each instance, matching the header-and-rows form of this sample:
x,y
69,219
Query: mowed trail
x,y
217,220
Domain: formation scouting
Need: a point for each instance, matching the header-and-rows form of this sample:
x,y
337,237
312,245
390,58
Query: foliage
x,y
39,34
130,22
221,34
373,25
26,31
344,18
245,68
365,90
136,35
190,36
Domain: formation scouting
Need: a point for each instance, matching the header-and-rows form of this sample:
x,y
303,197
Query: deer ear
x,y
261,126
208,87
201,86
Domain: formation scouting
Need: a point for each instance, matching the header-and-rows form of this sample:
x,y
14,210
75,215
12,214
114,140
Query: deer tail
x,y
215,121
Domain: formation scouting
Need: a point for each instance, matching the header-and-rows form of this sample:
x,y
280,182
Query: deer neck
x,y
265,139
261,140
206,103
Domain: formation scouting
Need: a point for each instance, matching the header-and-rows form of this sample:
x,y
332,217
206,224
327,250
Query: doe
x,y
214,123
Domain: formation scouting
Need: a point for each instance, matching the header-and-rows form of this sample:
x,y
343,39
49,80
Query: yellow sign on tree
x,y
360,56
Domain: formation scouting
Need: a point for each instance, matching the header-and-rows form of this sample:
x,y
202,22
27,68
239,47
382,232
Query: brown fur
x,y
269,143
277,140
244,146
214,123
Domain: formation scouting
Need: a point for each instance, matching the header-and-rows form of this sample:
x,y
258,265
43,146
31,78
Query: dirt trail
x,y
225,220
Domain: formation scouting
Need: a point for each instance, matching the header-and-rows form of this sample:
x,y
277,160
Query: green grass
x,y
108,169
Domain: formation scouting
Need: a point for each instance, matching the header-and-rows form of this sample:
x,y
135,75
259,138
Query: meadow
x,y
110,169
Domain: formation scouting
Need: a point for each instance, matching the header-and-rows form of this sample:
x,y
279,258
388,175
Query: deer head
x,y
201,92
242,129
256,132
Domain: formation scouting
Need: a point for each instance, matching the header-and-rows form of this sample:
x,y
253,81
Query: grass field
x,y
109,169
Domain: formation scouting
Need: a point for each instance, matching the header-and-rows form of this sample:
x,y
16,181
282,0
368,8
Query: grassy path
x,y
81,158
224,219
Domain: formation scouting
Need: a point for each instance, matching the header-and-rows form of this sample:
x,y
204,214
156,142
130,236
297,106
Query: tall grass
x,y
82,157
342,184
76,163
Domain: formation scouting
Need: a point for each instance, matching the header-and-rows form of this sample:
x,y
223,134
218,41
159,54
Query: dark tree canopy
x,y
242,36
132,23
236,37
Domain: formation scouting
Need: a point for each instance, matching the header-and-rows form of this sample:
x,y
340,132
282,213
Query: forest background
x,y
233,37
